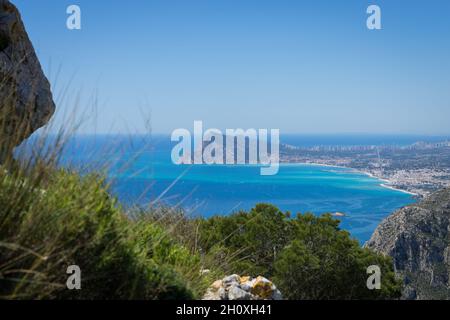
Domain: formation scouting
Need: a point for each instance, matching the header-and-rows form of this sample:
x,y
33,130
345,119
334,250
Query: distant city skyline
x,y
297,66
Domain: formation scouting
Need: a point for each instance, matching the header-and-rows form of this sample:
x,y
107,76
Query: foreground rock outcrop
x,y
417,237
26,102
235,287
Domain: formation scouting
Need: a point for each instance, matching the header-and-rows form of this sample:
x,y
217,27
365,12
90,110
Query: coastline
x,y
401,190
385,182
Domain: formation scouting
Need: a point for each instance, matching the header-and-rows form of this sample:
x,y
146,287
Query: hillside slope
x,y
417,237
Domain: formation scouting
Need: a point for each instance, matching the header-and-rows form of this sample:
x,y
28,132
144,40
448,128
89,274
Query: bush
x,y
308,257
323,262
254,238
50,219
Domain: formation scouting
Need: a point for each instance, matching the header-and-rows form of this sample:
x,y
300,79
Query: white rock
x,y
230,280
231,288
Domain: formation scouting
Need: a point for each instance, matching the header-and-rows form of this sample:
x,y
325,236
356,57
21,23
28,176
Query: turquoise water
x,y
148,176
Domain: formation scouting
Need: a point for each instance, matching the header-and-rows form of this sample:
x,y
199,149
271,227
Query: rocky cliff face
x,y
417,237
26,101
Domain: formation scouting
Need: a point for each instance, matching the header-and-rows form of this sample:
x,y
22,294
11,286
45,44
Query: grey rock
x,y
236,293
26,102
222,294
235,287
247,286
230,280
276,295
417,237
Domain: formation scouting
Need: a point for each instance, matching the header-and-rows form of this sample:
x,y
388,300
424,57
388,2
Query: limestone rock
x,y
417,238
262,288
234,287
230,280
26,102
236,293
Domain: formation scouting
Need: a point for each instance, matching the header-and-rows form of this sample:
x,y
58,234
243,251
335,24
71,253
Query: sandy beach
x,y
385,182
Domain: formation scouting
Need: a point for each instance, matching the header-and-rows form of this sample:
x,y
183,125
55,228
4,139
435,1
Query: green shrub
x,y
323,262
308,257
152,240
254,238
50,219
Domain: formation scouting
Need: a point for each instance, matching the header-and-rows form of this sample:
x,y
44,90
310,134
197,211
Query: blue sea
x,y
142,173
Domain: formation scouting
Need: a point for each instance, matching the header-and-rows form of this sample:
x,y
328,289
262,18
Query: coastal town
x,y
420,168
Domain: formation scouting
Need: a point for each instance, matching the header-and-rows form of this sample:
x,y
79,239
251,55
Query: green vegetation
x,y
308,257
52,218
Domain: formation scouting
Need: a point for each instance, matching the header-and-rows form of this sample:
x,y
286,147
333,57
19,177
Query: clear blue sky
x,y
307,66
